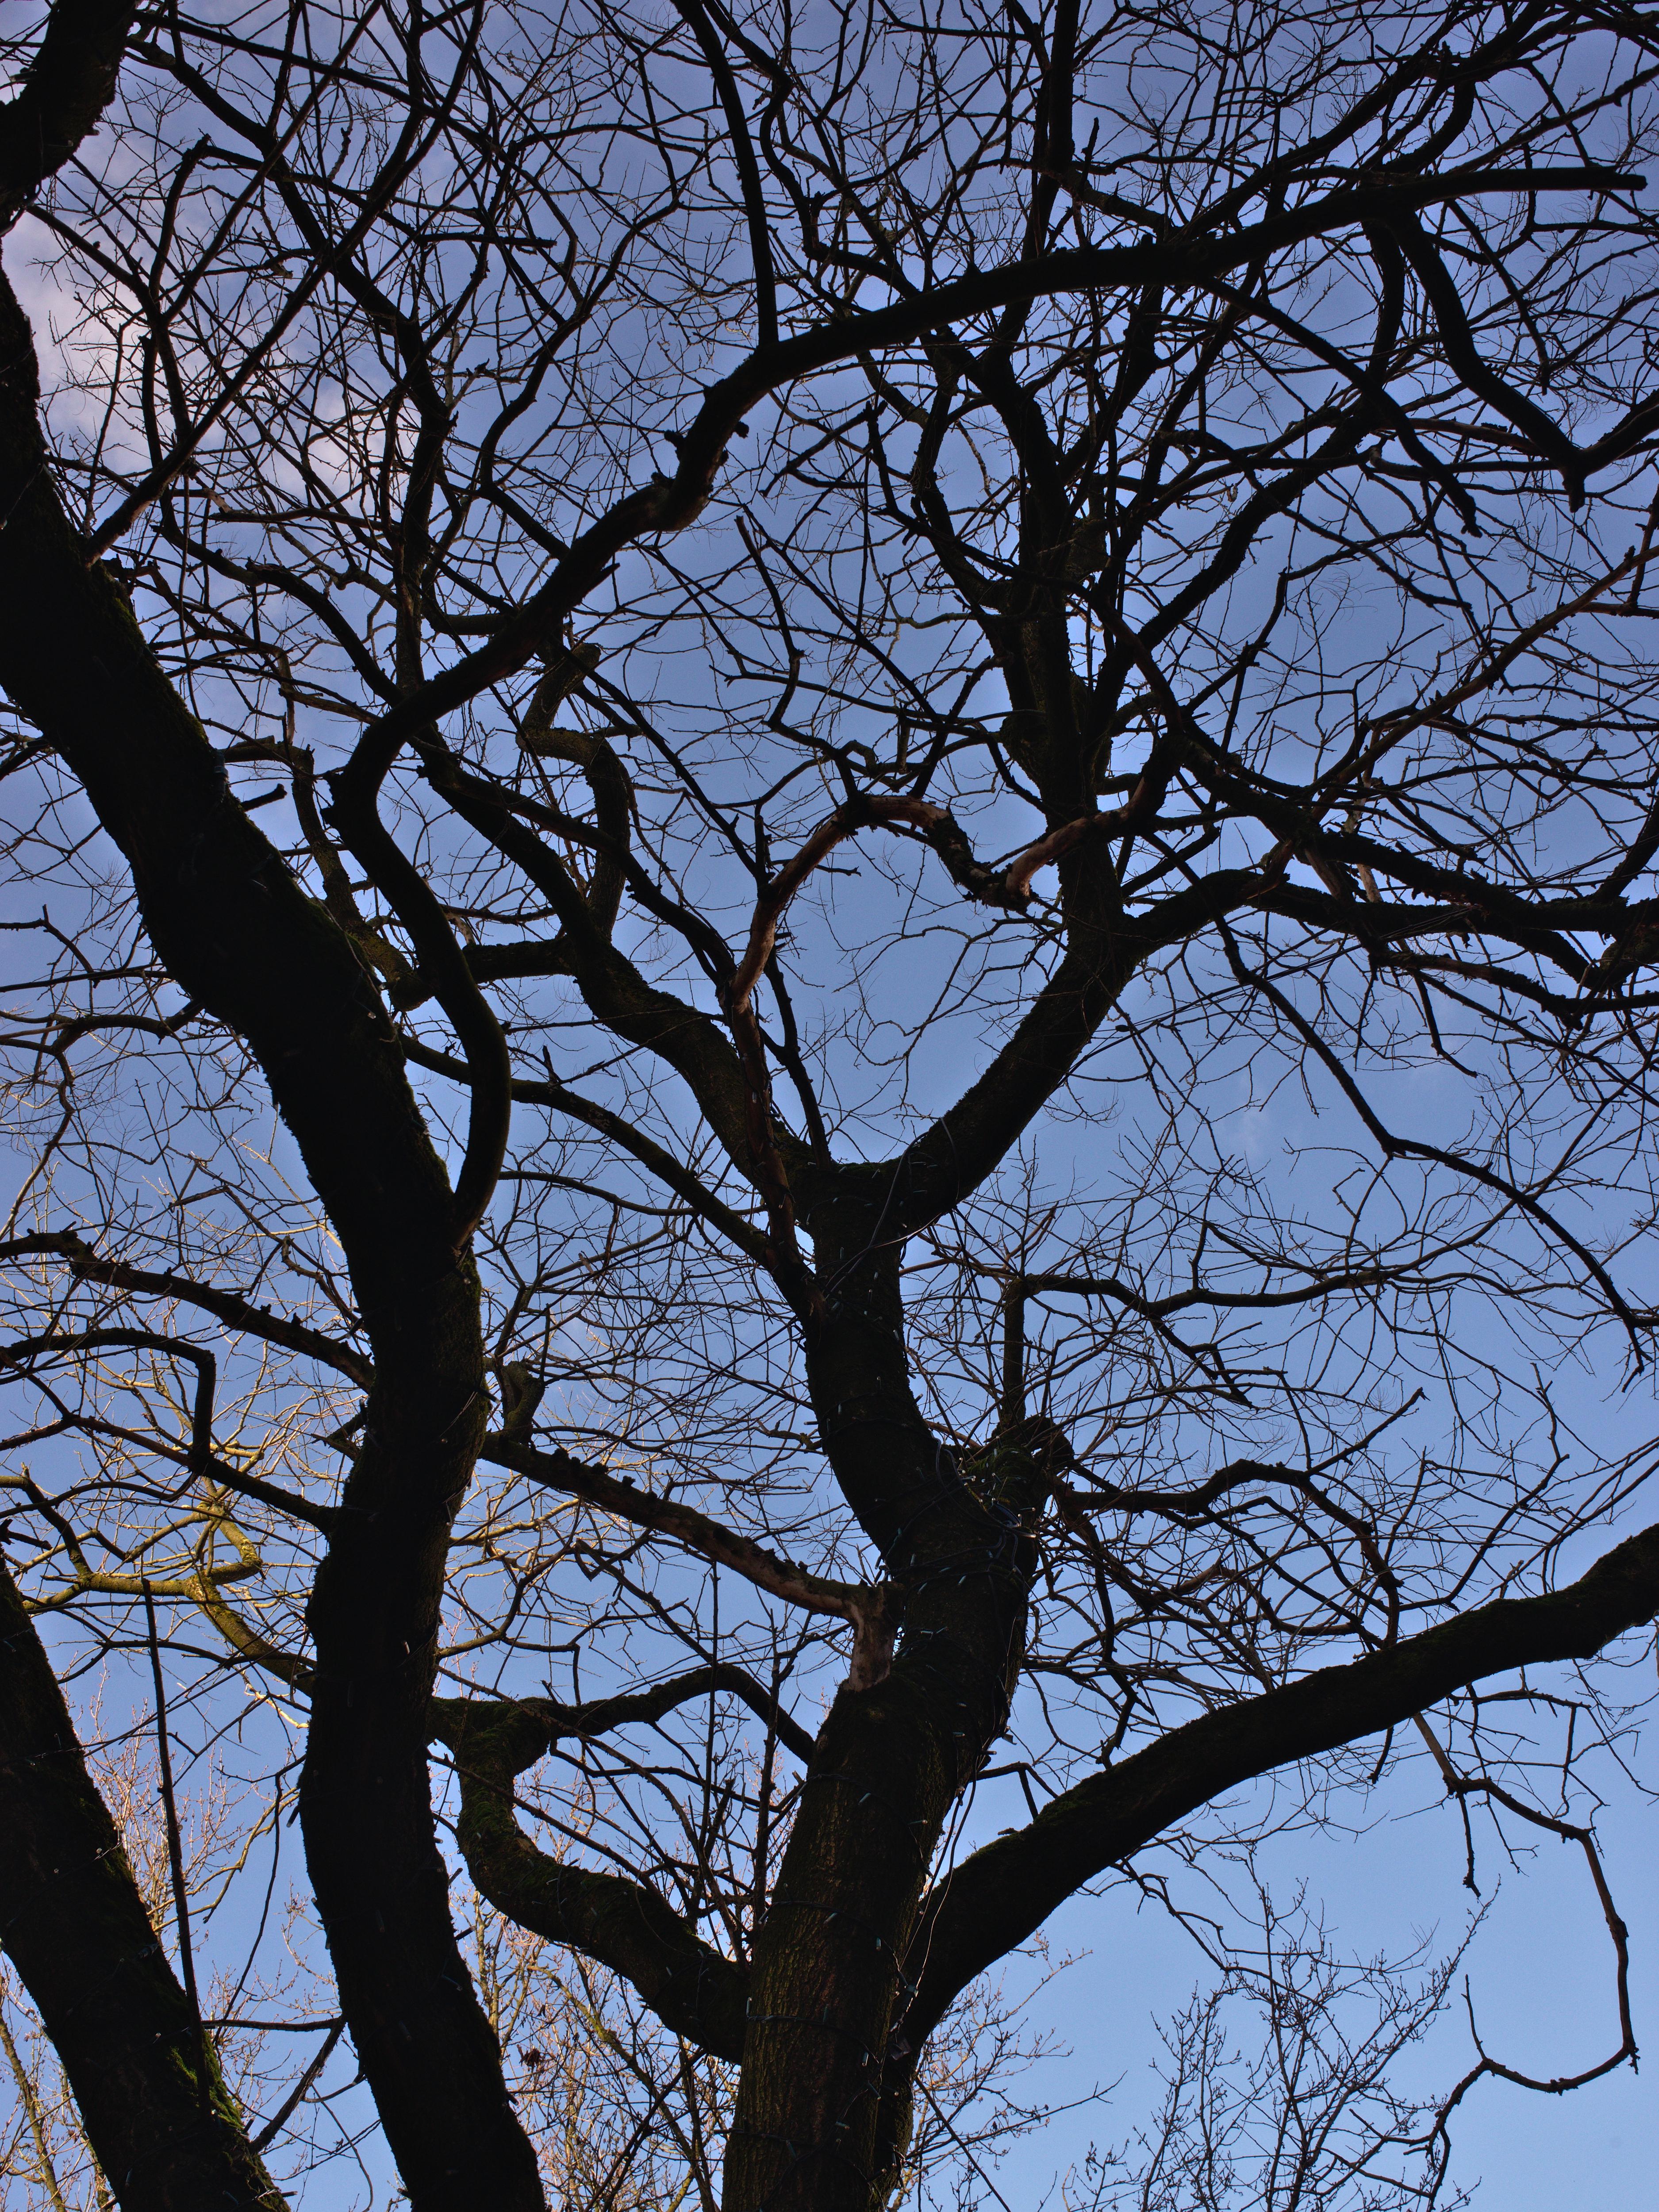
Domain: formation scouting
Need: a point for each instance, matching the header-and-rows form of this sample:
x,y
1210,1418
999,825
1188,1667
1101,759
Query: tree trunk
x,y
823,2109
160,2119
237,933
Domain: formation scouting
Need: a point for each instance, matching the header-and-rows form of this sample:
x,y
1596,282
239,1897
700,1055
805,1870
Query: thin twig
x,y
175,1851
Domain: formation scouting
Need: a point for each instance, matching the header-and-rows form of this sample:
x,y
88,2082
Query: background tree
x,y
505,509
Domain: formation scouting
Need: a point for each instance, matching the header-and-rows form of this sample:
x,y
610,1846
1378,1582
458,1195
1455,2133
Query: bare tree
x,y
925,1088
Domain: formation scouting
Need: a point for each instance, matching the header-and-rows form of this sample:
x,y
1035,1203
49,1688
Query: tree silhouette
x,y
864,634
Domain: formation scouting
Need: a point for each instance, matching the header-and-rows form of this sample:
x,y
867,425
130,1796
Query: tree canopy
x,y
830,985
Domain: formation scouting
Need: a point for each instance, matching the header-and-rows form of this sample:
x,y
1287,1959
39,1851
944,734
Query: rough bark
x,y
854,1963
68,86
625,1925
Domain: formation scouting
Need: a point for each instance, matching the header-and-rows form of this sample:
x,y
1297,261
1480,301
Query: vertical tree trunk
x,y
817,2124
380,1883
825,1980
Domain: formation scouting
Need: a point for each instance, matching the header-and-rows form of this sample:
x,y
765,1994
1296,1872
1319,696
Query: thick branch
x,y
1005,1891
233,926
743,155
69,83
615,991
451,1716
949,1160
626,1926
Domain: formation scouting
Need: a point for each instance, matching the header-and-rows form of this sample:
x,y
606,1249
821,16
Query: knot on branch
x,y
874,1613
521,1394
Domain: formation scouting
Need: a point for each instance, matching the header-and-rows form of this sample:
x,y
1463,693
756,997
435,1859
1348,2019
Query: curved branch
x,y
200,1458
743,155
231,922
953,1157
412,899
1004,1892
1545,436
670,503
677,1177
857,814
228,1306
615,991
452,1717
626,1926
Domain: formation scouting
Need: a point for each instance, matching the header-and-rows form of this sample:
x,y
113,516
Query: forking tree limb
x,y
1001,1894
